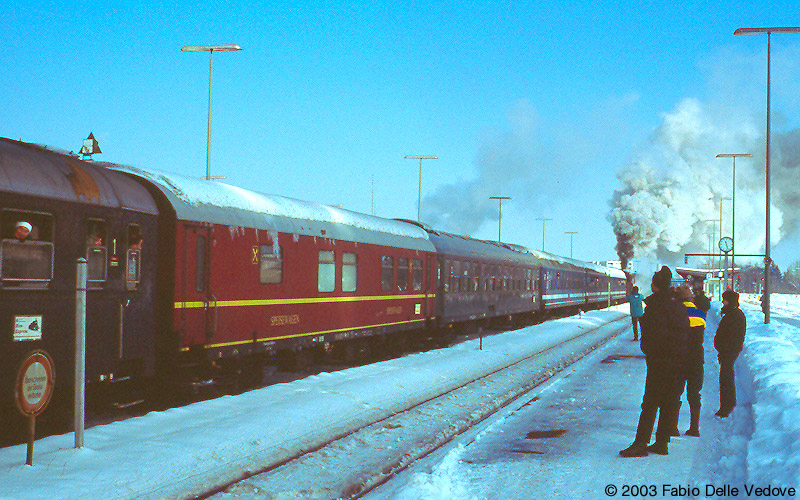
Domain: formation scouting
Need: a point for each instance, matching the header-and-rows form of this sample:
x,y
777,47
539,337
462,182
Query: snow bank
x,y
772,356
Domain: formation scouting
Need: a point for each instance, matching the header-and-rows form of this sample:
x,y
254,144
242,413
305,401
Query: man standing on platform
x,y
665,328
729,341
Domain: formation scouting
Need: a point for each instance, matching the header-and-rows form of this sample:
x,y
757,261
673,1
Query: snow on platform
x,y
563,442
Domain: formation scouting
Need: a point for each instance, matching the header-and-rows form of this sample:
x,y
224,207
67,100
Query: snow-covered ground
x,y
184,450
563,443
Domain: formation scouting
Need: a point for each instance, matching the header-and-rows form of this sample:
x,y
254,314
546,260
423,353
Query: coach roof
x,y
36,170
219,203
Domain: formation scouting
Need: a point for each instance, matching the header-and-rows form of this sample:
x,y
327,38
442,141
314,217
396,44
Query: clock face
x,y
726,244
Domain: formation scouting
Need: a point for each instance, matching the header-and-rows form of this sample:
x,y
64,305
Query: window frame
x,y
329,265
387,273
40,220
403,282
271,257
349,268
101,250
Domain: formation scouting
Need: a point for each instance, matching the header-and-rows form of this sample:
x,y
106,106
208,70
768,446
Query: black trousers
x,y
635,321
727,384
693,374
662,391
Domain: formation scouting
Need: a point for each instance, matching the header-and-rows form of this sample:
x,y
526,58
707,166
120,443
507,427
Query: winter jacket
x,y
637,309
703,303
665,327
730,332
697,326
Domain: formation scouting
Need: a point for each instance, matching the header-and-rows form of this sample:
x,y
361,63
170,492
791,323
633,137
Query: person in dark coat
x,y
693,366
701,300
728,342
665,328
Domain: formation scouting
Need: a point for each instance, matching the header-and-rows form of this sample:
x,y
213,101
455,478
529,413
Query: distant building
x,y
616,264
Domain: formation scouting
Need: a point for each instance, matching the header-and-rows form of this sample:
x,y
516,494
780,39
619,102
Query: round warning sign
x,y
36,379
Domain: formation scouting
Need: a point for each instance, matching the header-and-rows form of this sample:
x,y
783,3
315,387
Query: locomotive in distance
x,y
192,282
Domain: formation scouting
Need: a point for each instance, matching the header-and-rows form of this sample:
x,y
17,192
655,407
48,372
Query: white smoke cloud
x,y
530,161
663,204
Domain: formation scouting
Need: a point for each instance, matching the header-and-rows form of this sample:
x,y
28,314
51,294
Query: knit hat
x,y
662,278
731,296
684,293
24,224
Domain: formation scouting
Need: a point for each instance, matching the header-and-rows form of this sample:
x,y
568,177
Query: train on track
x,y
192,282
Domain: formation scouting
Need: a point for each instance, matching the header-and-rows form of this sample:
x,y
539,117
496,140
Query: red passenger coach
x,y
252,274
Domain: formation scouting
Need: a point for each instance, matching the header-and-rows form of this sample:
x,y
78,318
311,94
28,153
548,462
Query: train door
x,y
199,303
429,286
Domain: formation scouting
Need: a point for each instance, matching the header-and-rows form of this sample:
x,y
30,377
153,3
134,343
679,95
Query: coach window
x,y
96,252
387,273
133,257
270,270
26,248
455,275
402,274
326,275
349,272
417,275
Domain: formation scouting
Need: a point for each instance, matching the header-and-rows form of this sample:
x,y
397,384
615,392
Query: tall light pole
x,y
721,199
733,210
571,234
710,242
210,49
500,215
544,221
419,200
767,260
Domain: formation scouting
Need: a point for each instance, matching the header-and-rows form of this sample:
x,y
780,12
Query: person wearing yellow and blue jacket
x,y
693,365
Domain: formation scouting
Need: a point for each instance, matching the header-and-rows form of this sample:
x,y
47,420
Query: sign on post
x,y
36,379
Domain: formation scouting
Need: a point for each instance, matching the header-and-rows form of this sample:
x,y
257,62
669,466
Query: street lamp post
x,y
721,199
733,210
544,221
210,49
419,200
710,242
500,214
571,234
767,261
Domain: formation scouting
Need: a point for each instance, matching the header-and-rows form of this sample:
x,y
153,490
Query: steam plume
x,y
662,206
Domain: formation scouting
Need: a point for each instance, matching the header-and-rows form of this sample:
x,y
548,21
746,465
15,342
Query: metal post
x,y
210,49
733,226
767,260
80,350
500,215
419,196
544,221
31,438
208,143
725,281
571,234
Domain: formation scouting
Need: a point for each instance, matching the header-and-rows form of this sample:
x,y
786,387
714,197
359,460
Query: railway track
x,y
354,464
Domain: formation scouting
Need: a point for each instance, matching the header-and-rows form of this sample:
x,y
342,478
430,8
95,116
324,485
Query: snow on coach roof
x,y
220,203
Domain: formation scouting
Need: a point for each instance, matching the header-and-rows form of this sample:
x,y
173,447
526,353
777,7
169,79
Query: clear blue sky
x,y
541,101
